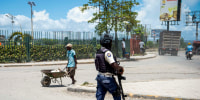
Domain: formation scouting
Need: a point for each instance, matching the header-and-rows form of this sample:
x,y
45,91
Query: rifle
x,y
120,77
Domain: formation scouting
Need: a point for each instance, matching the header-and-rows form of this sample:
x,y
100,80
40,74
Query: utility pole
x,y
12,19
31,4
197,25
167,25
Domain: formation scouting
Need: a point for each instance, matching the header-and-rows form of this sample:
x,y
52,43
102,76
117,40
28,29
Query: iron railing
x,y
48,46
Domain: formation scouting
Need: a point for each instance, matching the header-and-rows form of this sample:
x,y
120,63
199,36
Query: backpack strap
x,y
104,50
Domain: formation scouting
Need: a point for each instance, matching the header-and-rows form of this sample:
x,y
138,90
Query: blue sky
x,y
64,15
57,8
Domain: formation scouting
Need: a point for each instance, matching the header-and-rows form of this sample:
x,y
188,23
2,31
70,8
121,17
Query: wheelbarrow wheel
x,y
46,81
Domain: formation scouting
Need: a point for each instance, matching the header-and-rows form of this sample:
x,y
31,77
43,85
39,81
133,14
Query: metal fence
x,y
23,46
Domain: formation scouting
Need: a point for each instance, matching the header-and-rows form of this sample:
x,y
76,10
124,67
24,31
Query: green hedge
x,y
12,54
44,52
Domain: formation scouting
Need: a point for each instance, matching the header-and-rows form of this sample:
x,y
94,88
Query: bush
x,y
150,44
44,52
12,54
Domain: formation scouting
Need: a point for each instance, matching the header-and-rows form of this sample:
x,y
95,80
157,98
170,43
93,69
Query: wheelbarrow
x,y
52,76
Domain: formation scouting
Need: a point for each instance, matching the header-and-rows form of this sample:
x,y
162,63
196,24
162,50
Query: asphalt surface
x,y
163,77
22,83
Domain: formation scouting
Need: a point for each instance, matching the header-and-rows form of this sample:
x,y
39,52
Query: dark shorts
x,y
142,50
71,71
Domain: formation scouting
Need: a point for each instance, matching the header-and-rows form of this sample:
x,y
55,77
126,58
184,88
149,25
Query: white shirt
x,y
109,57
123,44
141,44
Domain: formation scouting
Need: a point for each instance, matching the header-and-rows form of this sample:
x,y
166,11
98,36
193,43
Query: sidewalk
x,y
80,61
180,89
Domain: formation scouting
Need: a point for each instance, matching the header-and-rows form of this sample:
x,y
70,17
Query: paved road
x,y
163,68
160,68
22,83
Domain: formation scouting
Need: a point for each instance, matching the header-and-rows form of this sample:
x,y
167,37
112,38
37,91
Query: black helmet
x,y
106,41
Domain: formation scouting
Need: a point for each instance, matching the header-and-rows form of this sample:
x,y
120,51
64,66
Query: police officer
x,y
107,68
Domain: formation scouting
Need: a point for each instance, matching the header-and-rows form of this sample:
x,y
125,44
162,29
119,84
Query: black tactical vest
x,y
101,64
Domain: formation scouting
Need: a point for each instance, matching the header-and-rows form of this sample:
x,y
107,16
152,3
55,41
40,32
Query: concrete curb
x,y
40,64
146,57
133,58
81,90
130,95
29,65
157,97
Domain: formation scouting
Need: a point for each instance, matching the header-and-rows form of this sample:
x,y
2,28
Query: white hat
x,y
69,45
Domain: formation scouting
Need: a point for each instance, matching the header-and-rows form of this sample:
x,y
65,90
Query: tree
x,y
139,30
113,15
182,43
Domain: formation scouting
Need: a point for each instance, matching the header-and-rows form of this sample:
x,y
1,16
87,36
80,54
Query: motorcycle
x,y
189,55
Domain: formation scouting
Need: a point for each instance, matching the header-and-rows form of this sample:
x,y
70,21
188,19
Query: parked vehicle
x,y
169,42
196,47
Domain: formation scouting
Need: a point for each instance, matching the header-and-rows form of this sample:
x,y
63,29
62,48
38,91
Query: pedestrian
x,y
107,67
123,47
141,43
72,62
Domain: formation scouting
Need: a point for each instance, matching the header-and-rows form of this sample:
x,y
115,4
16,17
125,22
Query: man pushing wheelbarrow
x,y
52,75
72,62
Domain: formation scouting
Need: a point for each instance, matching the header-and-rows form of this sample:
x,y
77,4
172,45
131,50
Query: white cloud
x,y
75,21
76,15
42,21
41,16
22,21
149,13
4,20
